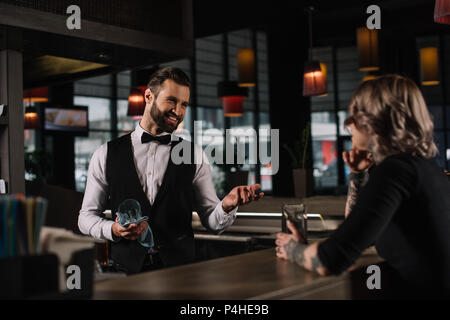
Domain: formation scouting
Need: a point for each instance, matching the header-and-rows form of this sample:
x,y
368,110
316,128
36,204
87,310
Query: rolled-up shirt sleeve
x,y
207,204
391,183
90,220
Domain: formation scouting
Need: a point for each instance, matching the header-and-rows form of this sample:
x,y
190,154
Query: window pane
x,y
437,115
99,111
448,151
448,117
185,127
439,139
124,122
323,133
324,102
30,146
123,84
348,76
30,138
243,127
343,115
84,148
347,147
210,120
264,137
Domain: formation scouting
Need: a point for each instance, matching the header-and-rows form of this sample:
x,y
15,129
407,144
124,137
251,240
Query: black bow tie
x,y
165,139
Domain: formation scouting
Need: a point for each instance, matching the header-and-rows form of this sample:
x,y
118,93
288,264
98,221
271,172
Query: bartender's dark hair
x,y
172,73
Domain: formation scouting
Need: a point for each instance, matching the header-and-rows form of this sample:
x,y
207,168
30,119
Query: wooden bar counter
x,y
255,275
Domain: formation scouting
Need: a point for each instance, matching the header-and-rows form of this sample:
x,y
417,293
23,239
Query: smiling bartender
x,y
139,166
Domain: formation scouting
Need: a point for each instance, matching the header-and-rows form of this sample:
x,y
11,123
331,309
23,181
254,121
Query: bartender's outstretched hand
x,y
132,232
241,195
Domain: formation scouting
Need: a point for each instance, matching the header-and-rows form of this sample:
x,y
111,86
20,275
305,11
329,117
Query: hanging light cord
x,y
310,10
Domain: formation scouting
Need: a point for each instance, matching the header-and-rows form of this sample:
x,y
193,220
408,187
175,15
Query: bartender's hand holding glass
x,y
132,232
241,195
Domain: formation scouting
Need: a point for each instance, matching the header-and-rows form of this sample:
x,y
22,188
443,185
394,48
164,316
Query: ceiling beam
x,y
54,23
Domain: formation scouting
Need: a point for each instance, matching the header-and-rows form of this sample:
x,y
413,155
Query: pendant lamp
x,y
313,78
136,101
429,66
36,95
246,67
232,97
442,11
367,40
31,119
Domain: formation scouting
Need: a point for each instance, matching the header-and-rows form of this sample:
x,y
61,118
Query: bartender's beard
x,y
160,118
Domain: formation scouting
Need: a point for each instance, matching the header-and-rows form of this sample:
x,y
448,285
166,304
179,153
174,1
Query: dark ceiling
x,y
332,18
334,22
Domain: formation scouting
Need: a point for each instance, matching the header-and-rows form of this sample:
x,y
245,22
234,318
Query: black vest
x,y
170,216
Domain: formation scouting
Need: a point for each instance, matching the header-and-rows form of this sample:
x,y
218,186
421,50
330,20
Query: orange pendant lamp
x,y
313,78
429,66
136,101
367,41
31,119
442,11
246,67
232,97
35,95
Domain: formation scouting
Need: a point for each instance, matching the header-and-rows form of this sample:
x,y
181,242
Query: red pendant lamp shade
x,y
232,97
136,101
36,95
31,119
313,80
442,11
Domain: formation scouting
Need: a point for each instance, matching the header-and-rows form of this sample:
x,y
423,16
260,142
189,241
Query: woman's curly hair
x,y
392,110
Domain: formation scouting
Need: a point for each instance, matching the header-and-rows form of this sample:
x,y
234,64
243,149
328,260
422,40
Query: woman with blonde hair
x,y
403,207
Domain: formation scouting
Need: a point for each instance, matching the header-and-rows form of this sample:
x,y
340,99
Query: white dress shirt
x,y
151,161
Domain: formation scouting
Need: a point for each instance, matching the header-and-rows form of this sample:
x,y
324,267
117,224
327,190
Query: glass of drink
x,y
296,213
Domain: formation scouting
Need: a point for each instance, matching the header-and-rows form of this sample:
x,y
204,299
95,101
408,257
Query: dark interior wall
x,y
290,111
62,146
398,54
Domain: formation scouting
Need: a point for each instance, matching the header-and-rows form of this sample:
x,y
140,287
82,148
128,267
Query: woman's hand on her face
x,y
358,160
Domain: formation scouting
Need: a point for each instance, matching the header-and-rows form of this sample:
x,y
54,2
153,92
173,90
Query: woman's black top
x,y
404,210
